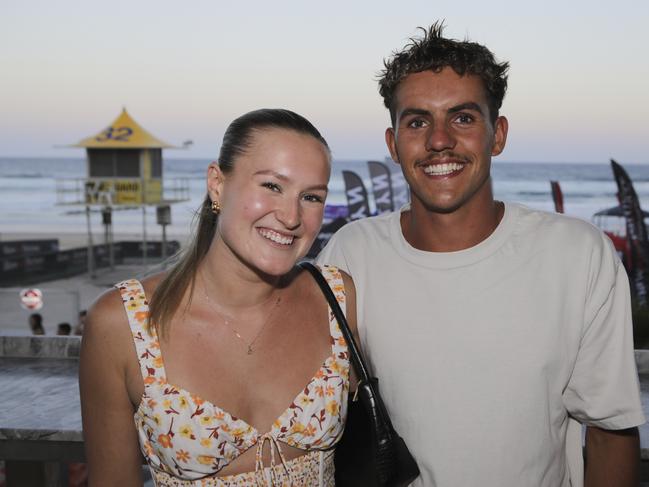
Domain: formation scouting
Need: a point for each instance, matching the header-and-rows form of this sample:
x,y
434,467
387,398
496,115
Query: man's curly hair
x,y
433,52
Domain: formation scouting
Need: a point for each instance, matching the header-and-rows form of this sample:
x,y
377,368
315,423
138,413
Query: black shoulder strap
x,y
354,355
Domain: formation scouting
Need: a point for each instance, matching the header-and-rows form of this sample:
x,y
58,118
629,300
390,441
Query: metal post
x,y
163,216
107,219
164,242
91,255
144,242
144,201
111,249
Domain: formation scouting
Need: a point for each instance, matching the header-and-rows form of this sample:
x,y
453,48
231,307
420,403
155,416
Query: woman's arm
x,y
109,432
350,314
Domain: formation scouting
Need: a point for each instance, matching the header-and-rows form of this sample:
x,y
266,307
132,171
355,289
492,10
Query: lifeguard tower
x,y
124,170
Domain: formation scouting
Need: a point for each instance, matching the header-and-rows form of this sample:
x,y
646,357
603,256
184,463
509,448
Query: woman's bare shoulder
x,y
106,309
150,283
108,313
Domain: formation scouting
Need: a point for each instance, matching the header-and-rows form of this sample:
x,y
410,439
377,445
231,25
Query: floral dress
x,y
187,440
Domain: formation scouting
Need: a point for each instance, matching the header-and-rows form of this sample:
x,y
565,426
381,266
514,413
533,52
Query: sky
x,y
578,83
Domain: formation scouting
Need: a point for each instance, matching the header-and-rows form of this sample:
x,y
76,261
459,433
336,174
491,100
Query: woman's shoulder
x,y
108,310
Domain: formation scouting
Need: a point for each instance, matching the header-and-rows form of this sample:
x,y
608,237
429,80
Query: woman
x,y
236,375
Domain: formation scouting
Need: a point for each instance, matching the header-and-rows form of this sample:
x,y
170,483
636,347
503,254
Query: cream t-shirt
x,y
484,354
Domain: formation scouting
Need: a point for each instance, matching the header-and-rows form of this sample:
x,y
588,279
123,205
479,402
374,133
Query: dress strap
x,y
145,338
335,280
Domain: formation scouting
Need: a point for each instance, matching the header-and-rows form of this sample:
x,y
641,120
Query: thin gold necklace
x,y
228,319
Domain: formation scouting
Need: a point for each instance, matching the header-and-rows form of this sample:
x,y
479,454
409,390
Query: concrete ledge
x,y
642,361
40,346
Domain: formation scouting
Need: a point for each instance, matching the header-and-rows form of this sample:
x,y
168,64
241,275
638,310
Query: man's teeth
x,y
276,237
442,169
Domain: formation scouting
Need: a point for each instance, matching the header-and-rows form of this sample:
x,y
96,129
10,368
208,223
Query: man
x,y
78,330
63,329
36,324
491,327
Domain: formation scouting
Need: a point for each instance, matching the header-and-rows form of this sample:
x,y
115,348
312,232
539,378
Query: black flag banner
x,y
356,196
381,186
636,233
557,196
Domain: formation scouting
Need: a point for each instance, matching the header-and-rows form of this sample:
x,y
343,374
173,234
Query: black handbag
x,y
370,453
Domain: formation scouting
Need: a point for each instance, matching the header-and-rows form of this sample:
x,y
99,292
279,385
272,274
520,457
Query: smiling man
x,y
493,328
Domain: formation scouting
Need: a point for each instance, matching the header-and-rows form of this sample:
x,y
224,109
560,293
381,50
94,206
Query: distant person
x,y
78,329
234,328
492,326
36,324
63,329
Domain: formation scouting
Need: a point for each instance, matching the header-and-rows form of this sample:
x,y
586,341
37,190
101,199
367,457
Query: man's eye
x,y
417,123
464,118
272,186
314,198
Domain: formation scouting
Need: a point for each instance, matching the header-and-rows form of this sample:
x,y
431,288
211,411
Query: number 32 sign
x,y
121,134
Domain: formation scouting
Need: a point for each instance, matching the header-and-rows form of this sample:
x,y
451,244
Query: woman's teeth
x,y
276,237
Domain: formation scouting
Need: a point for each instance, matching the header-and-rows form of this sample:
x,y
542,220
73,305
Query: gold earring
x,y
216,208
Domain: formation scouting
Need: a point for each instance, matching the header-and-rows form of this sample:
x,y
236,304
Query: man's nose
x,y
439,138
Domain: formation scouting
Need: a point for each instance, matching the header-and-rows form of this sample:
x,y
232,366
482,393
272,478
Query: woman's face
x,y
272,202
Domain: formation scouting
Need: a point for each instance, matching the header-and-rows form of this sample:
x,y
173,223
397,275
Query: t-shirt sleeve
x,y
334,253
603,389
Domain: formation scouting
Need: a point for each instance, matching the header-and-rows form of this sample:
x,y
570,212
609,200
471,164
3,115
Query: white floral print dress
x,y
187,440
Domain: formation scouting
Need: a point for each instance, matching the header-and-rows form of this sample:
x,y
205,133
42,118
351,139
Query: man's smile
x,y
443,169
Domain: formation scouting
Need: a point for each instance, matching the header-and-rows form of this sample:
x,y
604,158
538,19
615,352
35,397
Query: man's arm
x,y
612,457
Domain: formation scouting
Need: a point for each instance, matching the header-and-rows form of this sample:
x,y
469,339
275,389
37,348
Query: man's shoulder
x,y
571,231
546,220
374,225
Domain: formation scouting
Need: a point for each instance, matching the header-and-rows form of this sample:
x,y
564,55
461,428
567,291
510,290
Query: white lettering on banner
x,y
380,182
355,195
383,199
360,213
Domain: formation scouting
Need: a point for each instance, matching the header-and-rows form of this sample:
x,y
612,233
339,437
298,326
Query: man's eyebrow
x,y
470,105
413,111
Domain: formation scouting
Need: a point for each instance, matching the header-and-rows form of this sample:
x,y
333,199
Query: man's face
x,y
444,139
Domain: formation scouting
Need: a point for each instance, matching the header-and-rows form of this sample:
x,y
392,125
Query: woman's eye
x,y
272,186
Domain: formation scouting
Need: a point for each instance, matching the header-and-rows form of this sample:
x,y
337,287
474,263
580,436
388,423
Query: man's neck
x,y
450,232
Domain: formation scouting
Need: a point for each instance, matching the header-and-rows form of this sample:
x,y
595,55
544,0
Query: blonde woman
x,y
235,374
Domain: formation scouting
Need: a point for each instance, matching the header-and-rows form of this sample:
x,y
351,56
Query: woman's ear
x,y
215,179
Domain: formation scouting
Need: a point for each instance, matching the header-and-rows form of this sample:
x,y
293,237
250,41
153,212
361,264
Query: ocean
x,y
28,196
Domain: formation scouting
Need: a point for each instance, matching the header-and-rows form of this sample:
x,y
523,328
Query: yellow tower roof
x,y
123,133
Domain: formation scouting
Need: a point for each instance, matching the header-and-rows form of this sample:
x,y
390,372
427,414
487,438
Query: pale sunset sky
x,y
578,85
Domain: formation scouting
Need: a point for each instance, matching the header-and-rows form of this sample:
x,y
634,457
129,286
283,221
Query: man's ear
x,y
215,179
391,142
500,135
